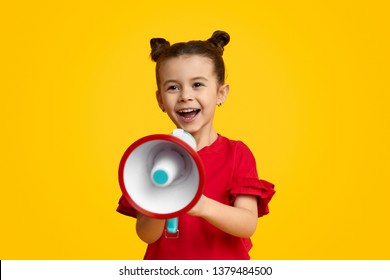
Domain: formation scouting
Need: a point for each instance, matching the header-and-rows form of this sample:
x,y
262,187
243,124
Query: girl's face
x,y
188,91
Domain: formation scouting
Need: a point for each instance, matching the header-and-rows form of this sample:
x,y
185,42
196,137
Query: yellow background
x,y
309,95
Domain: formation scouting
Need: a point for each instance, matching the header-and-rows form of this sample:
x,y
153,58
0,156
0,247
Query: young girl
x,y
190,84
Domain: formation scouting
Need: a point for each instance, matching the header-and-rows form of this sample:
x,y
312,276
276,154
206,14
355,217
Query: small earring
x,y
219,104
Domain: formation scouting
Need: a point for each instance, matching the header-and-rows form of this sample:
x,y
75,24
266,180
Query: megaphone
x,y
162,176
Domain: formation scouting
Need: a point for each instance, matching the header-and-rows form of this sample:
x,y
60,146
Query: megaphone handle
x,y
171,230
172,225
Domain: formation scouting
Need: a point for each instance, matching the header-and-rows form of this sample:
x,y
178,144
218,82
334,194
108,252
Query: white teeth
x,y
187,110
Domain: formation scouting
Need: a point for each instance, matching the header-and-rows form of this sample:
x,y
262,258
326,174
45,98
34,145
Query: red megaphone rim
x,y
173,139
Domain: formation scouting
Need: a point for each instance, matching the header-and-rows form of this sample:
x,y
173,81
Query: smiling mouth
x,y
188,114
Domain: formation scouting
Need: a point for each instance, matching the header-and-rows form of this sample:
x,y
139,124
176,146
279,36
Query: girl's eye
x,y
173,87
196,85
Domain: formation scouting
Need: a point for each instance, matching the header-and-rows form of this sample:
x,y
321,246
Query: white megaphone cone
x,y
162,176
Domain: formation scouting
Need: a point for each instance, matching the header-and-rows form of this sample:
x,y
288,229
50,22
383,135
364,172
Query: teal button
x,y
160,177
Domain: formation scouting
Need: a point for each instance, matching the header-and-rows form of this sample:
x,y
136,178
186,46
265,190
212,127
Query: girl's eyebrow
x,y
200,78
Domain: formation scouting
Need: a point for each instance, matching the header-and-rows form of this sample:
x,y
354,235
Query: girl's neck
x,y
205,139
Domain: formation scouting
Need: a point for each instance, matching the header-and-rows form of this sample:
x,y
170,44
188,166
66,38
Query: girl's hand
x,y
149,229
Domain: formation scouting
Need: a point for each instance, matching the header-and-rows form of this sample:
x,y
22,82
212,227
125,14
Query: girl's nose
x,y
186,95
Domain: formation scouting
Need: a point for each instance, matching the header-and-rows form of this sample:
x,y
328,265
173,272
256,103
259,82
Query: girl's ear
x,y
159,100
222,94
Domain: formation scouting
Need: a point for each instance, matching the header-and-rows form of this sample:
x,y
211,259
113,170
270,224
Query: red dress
x,y
230,171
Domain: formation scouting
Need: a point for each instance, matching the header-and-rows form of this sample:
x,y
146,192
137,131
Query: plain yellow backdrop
x,y
309,95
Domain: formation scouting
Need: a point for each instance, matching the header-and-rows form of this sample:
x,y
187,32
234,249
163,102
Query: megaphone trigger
x,y
171,229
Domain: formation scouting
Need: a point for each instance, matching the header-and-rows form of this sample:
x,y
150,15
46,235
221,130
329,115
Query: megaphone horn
x,y
162,176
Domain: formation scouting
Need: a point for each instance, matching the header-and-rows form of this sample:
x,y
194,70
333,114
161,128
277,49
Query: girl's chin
x,y
188,128
186,124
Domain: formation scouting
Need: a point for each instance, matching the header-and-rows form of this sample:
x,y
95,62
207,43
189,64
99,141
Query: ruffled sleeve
x,y
262,189
125,208
245,180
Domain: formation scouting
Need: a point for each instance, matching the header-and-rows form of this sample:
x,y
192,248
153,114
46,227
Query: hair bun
x,y
219,40
158,45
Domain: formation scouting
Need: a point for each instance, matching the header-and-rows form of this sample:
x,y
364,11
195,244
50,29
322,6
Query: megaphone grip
x,y
172,225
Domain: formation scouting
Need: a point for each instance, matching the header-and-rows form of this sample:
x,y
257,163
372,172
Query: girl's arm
x,y
149,229
239,220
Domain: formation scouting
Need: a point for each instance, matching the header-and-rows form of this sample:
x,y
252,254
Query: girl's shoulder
x,y
228,150
235,145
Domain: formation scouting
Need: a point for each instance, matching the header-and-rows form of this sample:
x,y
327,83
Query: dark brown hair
x,y
212,48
